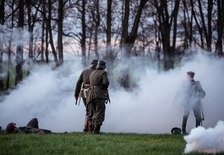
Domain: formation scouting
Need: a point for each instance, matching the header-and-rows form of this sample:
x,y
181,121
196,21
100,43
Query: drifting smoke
x,y
209,140
48,95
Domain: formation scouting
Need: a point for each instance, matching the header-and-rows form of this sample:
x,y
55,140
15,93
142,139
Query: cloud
x,y
209,140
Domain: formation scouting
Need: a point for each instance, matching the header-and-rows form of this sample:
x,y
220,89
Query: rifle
x,y
76,101
108,96
79,98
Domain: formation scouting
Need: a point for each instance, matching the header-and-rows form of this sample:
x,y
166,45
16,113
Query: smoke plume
x,y
209,140
48,95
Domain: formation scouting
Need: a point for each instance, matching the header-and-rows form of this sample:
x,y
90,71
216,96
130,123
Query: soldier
x,y
82,86
31,127
98,95
193,93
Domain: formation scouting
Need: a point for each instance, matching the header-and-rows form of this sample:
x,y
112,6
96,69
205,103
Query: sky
x,y
48,94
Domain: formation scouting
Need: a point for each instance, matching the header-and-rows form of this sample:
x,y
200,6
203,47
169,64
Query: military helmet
x,y
176,130
190,73
94,63
101,65
10,128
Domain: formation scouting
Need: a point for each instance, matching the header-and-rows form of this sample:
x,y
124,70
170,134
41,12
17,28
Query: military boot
x,y
184,131
184,123
96,129
90,126
198,122
86,124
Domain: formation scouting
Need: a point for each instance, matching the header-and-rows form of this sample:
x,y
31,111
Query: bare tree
x,y
60,30
166,21
109,52
19,50
220,24
10,45
187,24
96,19
45,21
83,40
2,14
205,29
32,19
128,40
43,33
50,33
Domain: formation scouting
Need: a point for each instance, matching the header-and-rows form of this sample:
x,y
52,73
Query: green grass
x,y
86,143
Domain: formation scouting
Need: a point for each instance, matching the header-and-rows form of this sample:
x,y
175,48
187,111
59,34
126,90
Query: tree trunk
x,y
165,23
30,62
19,51
185,23
2,12
207,31
220,7
172,52
60,31
30,29
158,42
50,33
45,22
83,40
197,23
9,48
128,41
42,42
124,37
175,13
209,16
9,63
97,24
108,45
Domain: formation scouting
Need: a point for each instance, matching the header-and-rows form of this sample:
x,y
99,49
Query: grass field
x,y
86,143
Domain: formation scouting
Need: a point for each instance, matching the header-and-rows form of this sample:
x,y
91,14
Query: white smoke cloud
x,y
48,95
209,140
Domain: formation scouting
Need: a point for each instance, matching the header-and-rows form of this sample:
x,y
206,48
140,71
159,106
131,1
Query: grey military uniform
x,y
192,101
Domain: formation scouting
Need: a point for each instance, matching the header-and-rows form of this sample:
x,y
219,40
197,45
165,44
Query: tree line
x,y
105,29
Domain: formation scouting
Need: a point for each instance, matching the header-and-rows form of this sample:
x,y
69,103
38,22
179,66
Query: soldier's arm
x,y
201,92
78,85
105,81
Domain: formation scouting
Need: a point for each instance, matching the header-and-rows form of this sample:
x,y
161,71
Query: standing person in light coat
x,y
193,93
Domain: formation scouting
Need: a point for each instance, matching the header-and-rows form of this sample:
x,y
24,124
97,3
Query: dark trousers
x,y
197,113
33,123
86,105
97,111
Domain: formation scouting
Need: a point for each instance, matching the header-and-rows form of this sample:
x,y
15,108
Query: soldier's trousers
x,y
97,108
87,106
197,114
33,123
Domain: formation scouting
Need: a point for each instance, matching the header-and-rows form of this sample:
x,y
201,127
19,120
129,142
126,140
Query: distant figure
x,y
31,127
98,95
82,86
192,95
